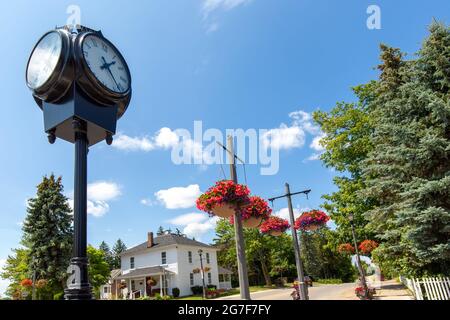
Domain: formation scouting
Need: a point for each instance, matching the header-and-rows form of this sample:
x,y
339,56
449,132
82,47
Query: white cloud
x,y
284,213
293,136
195,224
103,191
99,193
179,197
284,137
164,138
3,283
147,202
213,5
188,218
315,144
124,142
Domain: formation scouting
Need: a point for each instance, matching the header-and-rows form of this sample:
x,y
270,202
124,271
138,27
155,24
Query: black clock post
x,y
80,108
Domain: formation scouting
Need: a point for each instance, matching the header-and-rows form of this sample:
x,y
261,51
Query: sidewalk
x,y
392,290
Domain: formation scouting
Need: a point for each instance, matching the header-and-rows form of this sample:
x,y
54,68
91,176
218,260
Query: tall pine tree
x,y
117,250
48,232
408,172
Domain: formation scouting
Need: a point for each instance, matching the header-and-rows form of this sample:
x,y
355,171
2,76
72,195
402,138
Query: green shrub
x,y
58,296
211,286
159,297
176,292
197,290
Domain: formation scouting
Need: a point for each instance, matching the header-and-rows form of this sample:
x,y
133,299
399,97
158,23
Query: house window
x,y
207,258
133,285
209,278
227,277
105,289
221,278
190,256
163,257
132,263
191,278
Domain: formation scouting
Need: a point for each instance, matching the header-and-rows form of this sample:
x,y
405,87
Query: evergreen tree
x,y
48,233
117,249
160,231
408,172
107,253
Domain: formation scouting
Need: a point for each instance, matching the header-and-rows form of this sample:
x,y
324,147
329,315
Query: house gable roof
x,y
166,240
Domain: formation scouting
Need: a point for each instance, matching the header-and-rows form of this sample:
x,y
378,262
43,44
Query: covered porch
x,y
225,278
144,282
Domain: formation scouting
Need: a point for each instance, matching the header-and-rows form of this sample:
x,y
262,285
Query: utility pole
x,y
239,233
200,253
358,258
303,288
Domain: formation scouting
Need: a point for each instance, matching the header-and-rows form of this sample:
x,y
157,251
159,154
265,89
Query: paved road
x,y
322,292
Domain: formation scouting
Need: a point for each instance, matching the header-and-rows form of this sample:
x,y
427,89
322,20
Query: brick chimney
x,y
150,240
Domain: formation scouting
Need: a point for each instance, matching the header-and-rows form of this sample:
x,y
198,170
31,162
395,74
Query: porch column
x,y
145,287
116,285
129,289
160,285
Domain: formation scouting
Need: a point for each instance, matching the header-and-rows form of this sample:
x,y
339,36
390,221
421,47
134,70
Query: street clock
x,y
79,74
83,85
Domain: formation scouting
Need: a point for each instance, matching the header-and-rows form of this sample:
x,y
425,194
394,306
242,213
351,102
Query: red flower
x,y
367,246
309,219
225,191
26,283
274,224
346,248
257,207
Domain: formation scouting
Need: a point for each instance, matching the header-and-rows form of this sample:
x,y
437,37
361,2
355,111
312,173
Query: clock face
x,y
106,64
44,60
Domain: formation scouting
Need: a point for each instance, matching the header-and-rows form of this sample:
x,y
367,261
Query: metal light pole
x,y
239,233
200,253
81,290
303,288
358,259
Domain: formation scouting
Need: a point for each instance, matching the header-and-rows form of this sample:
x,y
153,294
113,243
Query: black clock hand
x,y
106,66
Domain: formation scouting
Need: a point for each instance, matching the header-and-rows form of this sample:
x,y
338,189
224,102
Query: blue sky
x,y
228,63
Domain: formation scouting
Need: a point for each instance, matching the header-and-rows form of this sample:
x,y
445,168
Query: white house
x,y
165,262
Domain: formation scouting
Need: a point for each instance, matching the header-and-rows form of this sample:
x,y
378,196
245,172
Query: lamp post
x,y
80,105
200,253
358,258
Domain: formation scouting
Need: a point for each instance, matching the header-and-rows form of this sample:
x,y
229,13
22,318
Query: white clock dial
x,y
106,64
44,59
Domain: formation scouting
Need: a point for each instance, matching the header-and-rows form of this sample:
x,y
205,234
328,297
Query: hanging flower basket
x,y
26,283
346,248
274,226
122,285
207,269
367,246
311,220
41,283
151,282
196,270
254,213
223,199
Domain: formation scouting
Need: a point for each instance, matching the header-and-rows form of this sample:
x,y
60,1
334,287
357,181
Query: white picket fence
x,y
428,288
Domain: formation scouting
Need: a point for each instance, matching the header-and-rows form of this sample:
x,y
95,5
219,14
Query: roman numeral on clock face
x,y
105,63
